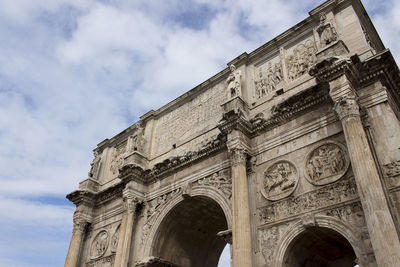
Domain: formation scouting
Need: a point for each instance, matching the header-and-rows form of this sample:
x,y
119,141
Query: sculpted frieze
x,y
279,180
268,80
323,197
301,59
117,158
326,164
99,244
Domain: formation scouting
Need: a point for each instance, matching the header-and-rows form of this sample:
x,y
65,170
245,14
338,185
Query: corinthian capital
x,y
80,225
347,106
238,156
130,203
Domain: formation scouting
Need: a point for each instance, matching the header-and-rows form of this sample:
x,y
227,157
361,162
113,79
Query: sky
x,y
73,73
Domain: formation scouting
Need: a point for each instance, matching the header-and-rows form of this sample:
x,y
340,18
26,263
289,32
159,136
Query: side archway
x,y
185,231
329,242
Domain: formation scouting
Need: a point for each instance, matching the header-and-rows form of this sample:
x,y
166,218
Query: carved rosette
x,y
114,239
99,244
238,156
347,106
326,164
279,180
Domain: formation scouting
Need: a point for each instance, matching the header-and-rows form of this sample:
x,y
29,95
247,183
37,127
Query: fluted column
x,y
126,230
75,246
241,231
382,231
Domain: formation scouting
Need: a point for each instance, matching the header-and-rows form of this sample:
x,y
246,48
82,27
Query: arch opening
x,y
319,246
187,235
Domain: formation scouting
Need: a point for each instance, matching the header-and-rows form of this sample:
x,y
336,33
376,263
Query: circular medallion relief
x,y
279,180
99,244
326,164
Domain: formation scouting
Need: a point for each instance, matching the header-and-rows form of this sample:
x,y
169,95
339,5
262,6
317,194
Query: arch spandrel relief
x,y
326,163
279,180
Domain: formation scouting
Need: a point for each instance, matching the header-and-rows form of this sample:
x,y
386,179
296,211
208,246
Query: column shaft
x,y
384,238
75,245
241,231
125,235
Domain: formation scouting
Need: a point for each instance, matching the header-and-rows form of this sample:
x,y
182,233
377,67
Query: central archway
x,y
319,246
187,235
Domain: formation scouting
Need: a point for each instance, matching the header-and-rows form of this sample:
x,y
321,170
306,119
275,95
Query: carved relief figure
x,y
392,172
136,141
94,166
219,180
327,33
234,82
99,244
118,158
268,80
114,239
279,180
326,164
302,58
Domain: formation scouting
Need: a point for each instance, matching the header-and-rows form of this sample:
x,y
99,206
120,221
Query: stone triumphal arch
x,y
291,155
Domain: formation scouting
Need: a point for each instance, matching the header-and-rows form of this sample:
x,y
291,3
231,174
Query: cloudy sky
x,y
73,73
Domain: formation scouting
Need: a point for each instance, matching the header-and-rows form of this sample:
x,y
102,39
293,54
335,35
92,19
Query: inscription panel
x,y
190,119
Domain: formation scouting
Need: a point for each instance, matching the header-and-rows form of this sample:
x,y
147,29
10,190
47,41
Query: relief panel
x,y
326,164
268,79
300,58
99,244
279,180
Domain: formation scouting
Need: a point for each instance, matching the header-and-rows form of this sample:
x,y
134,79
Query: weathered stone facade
x,y
291,155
